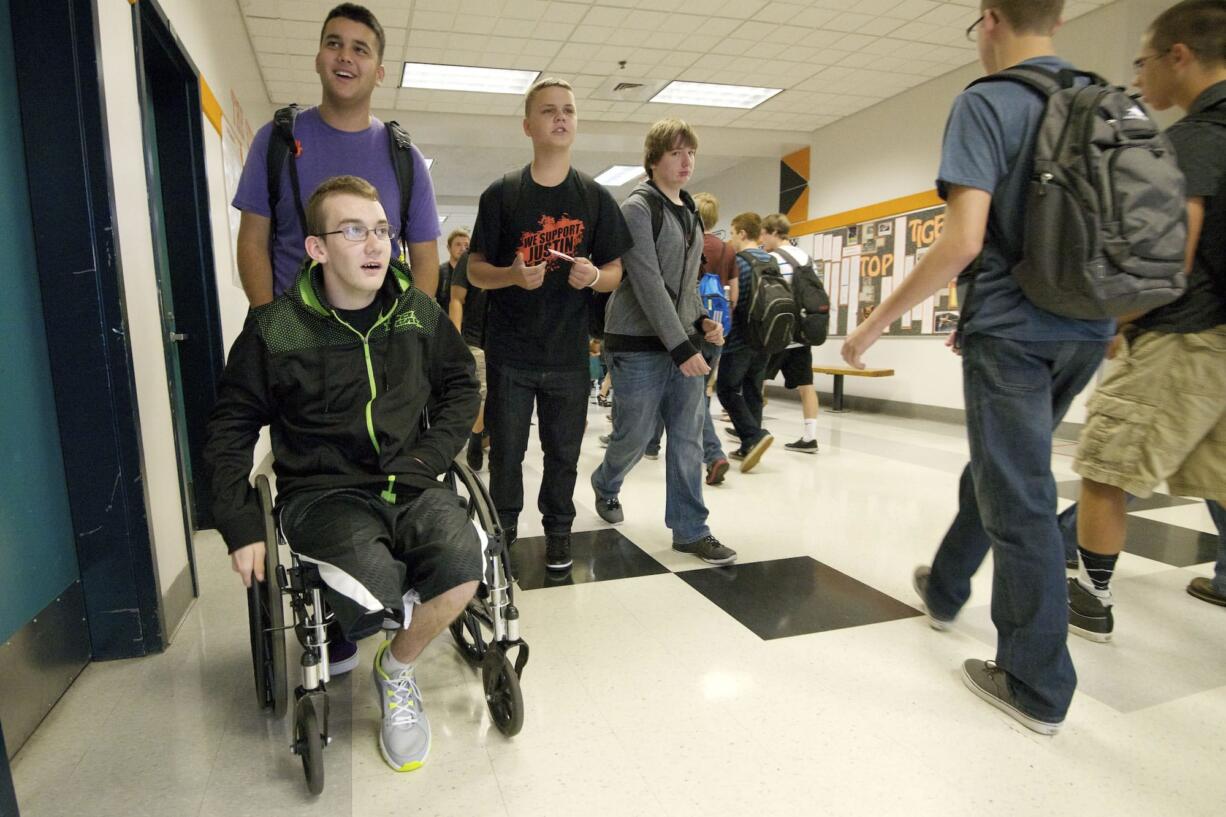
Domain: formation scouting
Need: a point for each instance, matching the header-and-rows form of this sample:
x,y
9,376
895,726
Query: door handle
x,y
177,337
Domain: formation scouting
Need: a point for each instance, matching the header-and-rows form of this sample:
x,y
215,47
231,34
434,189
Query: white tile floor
x,y
644,698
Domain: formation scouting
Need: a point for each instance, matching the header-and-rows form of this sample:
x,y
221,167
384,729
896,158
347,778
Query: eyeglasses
x,y
1139,63
972,31
358,232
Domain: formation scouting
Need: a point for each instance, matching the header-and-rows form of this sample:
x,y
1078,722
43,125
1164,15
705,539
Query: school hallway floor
x,y
801,681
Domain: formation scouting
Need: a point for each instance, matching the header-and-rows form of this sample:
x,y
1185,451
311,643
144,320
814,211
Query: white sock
x,y
391,666
810,430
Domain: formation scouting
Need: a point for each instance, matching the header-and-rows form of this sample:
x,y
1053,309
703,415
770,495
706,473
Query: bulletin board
x,y
861,264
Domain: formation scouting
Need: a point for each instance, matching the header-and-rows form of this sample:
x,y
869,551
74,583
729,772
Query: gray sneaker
x,y
1088,616
610,510
709,550
404,738
919,580
991,683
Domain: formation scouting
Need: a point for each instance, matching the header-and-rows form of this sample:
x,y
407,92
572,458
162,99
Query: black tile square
x,y
1170,544
1072,490
786,597
600,555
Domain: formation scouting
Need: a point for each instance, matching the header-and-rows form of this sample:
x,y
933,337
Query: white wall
x,y
893,150
751,186
215,39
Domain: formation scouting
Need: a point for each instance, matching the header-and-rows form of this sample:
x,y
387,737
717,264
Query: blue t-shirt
x,y
989,145
328,152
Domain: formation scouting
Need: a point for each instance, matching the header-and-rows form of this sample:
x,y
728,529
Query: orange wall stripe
x,y
873,212
800,209
210,105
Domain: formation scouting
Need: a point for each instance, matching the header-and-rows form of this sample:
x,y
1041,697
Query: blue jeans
x,y
1219,570
711,449
648,386
739,387
561,402
1016,394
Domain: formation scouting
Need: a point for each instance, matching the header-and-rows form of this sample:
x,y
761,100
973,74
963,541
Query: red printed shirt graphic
x,y
564,234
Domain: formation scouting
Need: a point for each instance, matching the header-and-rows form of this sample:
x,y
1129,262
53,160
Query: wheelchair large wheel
x,y
502,693
272,693
466,630
309,744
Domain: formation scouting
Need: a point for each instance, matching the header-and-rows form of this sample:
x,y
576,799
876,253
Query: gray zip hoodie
x,y
656,308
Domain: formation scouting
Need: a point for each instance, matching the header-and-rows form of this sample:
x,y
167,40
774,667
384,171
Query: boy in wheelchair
x,y
343,367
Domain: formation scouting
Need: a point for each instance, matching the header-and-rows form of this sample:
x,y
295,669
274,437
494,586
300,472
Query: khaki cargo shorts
x,y
1160,414
479,359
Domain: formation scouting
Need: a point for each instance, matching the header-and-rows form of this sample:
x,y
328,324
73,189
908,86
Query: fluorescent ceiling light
x,y
429,163
617,175
441,219
713,95
466,78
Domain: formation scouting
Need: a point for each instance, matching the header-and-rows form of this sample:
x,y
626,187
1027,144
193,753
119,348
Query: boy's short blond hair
x,y
540,85
666,135
777,224
335,186
457,233
708,210
1027,16
748,223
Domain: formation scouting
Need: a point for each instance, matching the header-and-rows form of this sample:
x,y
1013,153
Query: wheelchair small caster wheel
x,y
309,744
502,693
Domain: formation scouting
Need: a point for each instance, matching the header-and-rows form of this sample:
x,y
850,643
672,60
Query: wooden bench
x,y
840,372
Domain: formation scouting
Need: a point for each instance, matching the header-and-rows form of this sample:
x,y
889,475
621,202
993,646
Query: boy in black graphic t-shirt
x,y
539,306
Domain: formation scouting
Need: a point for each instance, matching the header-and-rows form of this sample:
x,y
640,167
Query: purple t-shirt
x,y
328,152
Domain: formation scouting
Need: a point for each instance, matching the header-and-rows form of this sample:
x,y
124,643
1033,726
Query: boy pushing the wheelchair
x,y
343,367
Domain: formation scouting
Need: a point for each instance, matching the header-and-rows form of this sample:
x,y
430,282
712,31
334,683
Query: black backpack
x,y
512,186
282,146
1106,224
812,302
770,318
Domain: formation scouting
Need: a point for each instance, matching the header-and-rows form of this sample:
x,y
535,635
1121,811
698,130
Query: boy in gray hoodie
x,y
654,326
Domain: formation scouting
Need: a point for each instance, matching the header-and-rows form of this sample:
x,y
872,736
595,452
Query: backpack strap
x,y
655,207
282,148
1042,81
791,259
402,162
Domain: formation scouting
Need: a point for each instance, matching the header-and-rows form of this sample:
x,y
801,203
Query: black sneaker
x,y
919,580
731,432
709,550
1202,588
604,440
991,683
610,510
737,454
803,446
754,452
1088,617
509,536
557,551
652,455
476,454
342,653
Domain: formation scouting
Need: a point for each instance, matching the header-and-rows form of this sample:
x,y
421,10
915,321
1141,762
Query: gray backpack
x,y
1106,226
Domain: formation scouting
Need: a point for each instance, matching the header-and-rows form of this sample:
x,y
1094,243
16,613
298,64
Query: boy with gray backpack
x,y
1010,219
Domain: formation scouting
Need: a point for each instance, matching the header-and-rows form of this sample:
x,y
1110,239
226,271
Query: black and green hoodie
x,y
345,410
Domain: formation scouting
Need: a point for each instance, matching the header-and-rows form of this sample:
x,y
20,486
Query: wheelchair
x,y
486,633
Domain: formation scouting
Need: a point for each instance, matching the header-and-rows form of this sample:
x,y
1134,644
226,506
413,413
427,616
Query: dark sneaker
x,y
754,452
919,580
604,402
802,446
1088,617
342,654
476,454
738,454
610,510
716,470
557,551
731,432
1202,589
604,440
652,455
991,683
709,550
1071,563
509,536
